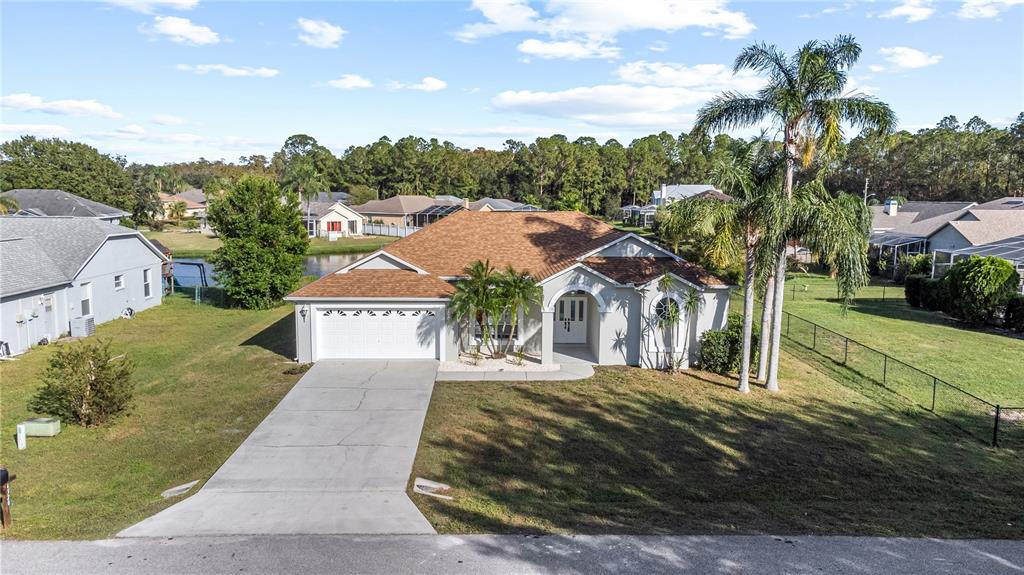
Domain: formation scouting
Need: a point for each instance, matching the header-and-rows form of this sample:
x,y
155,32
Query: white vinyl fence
x,y
388,230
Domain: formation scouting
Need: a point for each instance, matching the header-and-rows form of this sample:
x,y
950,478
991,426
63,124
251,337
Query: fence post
x,y
814,337
846,350
935,386
995,429
885,369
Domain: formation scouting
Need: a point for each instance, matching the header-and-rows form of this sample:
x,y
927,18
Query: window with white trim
x,y
147,287
119,281
86,302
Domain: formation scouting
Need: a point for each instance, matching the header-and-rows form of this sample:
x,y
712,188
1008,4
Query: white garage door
x,y
378,333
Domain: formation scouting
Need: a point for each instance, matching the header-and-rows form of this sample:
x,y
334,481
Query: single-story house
x,y
669,193
500,205
38,202
193,208
639,215
907,229
1009,249
601,295
56,270
977,226
332,220
399,210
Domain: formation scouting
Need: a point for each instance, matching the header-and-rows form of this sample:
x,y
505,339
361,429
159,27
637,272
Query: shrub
x,y
933,295
84,384
128,223
979,287
721,350
157,225
1013,317
913,287
191,225
920,264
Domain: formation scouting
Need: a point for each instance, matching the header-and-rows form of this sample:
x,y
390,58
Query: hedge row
x,y
977,290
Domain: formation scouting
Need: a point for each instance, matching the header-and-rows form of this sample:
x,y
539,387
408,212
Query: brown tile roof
x,y
640,270
540,243
376,284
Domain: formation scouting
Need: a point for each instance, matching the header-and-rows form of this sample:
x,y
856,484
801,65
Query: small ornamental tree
x,y
85,384
979,287
264,242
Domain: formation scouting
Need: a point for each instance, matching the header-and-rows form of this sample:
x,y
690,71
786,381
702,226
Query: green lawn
x,y
985,363
642,451
206,377
196,245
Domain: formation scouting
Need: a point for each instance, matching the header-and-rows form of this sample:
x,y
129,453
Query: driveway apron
x,y
333,457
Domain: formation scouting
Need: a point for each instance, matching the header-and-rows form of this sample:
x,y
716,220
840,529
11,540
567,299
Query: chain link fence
x,y
989,422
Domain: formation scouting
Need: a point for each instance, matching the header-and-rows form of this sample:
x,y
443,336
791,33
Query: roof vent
x,y
892,207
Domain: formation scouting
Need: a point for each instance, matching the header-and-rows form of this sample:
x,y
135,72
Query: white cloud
x,y
320,33
912,10
150,6
973,9
568,49
167,119
182,31
492,131
30,103
876,68
230,71
707,77
41,130
570,24
427,84
132,129
904,58
607,105
137,133
658,46
350,82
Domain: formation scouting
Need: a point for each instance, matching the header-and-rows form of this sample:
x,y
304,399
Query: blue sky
x,y
177,79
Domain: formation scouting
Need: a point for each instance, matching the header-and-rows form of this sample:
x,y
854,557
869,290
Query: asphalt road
x,y
427,554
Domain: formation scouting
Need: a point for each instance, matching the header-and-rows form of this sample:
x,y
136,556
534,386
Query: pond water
x,y
189,275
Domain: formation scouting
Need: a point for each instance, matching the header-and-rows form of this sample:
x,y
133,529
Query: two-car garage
x,y
401,331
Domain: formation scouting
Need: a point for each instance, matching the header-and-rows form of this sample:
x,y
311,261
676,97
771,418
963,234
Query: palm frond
x,y
730,110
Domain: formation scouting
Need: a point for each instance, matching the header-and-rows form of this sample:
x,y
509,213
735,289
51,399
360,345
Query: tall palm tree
x,y
725,231
475,298
517,291
805,97
302,178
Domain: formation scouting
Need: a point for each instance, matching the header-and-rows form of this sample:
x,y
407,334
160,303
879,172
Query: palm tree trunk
x,y
748,321
766,328
780,271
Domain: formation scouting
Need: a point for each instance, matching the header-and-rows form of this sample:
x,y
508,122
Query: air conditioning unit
x,y
83,326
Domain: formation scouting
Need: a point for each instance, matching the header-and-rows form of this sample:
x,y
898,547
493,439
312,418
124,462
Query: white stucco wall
x,y
344,218
631,247
127,256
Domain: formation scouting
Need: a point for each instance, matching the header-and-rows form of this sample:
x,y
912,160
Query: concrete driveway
x,y
333,457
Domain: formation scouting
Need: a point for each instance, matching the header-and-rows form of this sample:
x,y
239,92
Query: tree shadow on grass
x,y
278,338
554,458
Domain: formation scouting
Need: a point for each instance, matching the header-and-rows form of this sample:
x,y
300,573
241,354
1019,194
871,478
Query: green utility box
x,y
42,427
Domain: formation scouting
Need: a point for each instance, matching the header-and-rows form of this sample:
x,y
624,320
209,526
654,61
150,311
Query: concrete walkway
x,y
445,554
576,364
333,457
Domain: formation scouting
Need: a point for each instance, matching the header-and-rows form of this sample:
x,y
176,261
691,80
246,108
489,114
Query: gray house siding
x,y
27,318
948,238
125,256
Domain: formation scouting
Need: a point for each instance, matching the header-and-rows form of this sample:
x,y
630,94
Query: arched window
x,y
666,308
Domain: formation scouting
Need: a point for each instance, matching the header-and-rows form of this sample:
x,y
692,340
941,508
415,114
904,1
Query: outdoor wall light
x,y
303,311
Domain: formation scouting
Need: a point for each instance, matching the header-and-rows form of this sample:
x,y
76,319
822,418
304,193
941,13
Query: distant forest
x,y
952,161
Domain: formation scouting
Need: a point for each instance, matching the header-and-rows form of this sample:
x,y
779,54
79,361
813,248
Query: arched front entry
x,y
576,325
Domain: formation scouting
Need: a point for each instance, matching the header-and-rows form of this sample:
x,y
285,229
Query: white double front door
x,y
571,320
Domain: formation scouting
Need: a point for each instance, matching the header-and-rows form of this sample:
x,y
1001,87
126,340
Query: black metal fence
x,y
989,422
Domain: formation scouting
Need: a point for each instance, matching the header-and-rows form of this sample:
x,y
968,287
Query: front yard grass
x,y
982,362
205,378
197,245
641,451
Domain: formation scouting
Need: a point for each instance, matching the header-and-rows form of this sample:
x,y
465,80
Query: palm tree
x,y
8,205
724,230
475,299
178,210
805,97
302,178
670,316
517,291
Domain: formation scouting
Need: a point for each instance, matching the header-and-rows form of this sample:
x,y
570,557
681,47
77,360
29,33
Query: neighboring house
x,y
669,193
56,269
601,297
399,210
332,220
977,226
193,209
500,205
32,202
1007,203
906,229
1010,249
639,215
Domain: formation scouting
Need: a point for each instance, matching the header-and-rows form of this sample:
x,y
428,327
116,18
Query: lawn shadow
x,y
554,458
278,338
